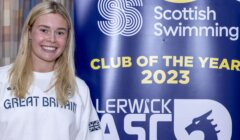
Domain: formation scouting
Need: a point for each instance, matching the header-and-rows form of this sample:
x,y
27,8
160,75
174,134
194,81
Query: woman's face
x,y
48,37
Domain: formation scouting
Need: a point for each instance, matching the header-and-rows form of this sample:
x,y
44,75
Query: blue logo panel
x,y
161,69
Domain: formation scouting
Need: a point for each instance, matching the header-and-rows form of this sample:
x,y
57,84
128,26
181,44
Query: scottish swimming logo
x,y
120,17
201,120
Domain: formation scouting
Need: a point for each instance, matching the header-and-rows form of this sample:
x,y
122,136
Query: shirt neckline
x,y
43,75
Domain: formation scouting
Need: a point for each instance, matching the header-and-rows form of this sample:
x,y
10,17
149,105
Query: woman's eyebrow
x,y
60,28
45,26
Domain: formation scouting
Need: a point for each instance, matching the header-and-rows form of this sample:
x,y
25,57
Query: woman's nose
x,y
52,37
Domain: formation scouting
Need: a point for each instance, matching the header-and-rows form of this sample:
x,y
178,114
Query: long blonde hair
x,y
21,73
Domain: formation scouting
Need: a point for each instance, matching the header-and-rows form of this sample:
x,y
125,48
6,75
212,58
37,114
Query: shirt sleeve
x,y
90,128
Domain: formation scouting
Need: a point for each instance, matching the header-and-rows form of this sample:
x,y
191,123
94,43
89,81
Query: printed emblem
x,y
94,126
9,88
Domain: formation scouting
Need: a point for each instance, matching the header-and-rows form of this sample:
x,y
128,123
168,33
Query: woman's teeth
x,y
49,48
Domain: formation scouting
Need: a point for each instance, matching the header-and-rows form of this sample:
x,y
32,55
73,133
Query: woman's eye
x,y
44,30
61,33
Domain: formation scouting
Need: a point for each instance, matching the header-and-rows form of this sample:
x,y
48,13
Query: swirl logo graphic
x,y
121,18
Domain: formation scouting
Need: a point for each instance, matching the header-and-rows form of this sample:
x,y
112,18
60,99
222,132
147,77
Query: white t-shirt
x,y
40,117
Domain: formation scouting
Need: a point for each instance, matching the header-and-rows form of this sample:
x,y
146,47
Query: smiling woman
x,y
12,15
40,96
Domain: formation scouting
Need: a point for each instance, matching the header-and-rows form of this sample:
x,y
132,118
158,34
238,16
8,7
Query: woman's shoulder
x,y
81,83
5,68
82,88
4,72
